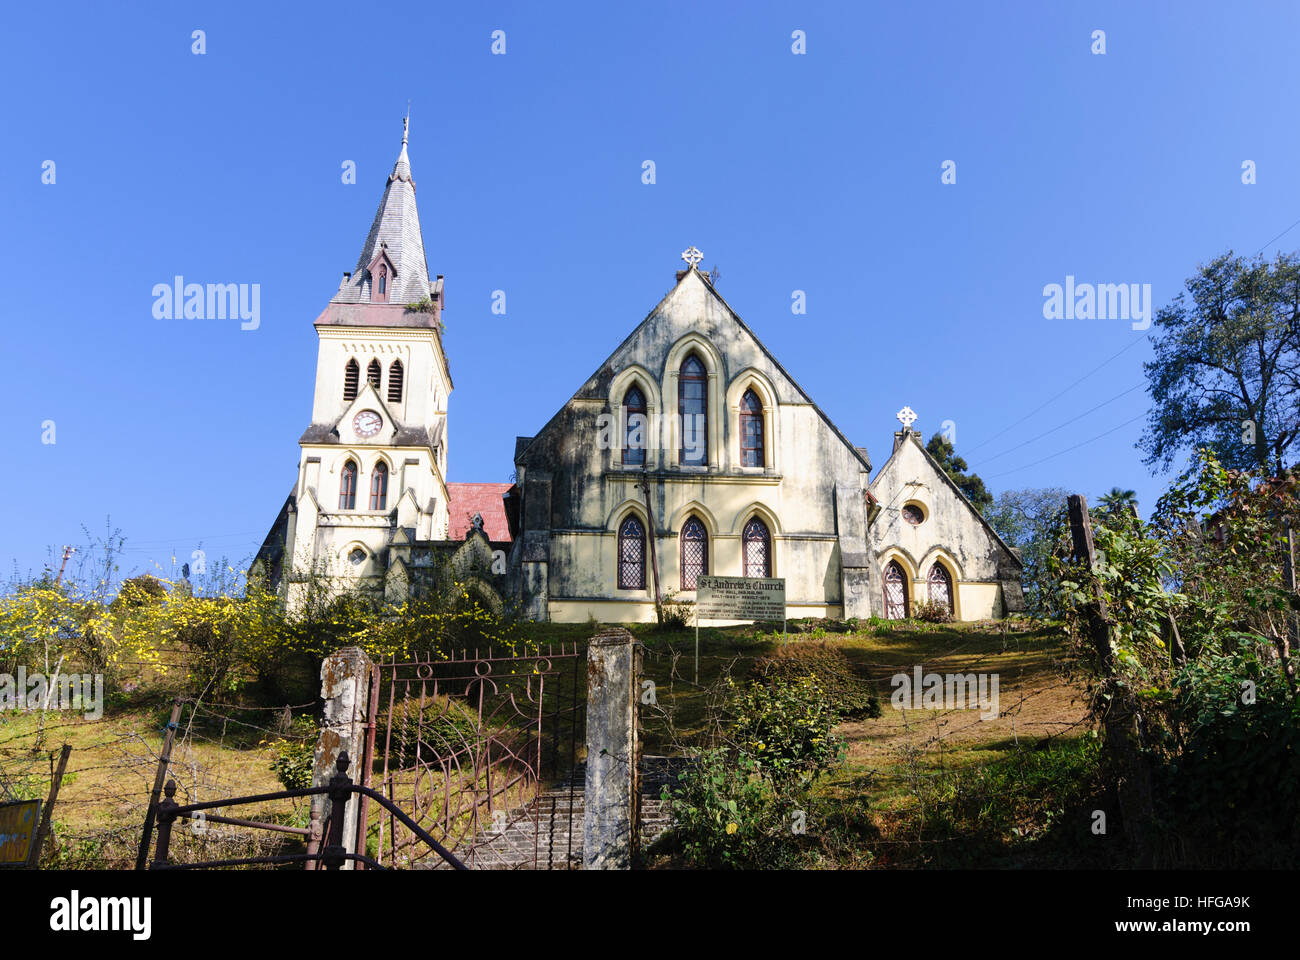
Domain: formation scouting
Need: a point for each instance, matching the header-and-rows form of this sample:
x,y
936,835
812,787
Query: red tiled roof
x,y
467,499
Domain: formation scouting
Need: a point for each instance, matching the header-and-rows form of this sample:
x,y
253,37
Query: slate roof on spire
x,y
396,232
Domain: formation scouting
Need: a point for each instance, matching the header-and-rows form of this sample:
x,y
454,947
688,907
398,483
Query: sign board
x,y
739,598
18,823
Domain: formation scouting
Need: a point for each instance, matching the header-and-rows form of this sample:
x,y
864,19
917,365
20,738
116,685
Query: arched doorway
x,y
939,582
895,592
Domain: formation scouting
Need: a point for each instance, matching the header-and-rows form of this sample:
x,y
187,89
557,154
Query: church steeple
x,y
392,266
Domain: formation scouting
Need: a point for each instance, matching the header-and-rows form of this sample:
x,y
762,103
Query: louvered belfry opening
x,y
395,382
351,376
373,373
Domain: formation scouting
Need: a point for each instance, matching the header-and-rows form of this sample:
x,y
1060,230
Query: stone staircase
x,y
549,837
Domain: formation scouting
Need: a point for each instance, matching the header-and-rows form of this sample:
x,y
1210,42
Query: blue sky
x,y
818,172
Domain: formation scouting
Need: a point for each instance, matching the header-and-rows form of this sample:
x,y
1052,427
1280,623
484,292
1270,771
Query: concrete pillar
x,y
345,688
611,811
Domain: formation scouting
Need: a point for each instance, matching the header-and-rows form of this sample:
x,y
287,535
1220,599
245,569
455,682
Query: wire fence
x,y
104,795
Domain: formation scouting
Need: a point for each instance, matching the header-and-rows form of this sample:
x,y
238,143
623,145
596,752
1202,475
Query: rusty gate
x,y
479,750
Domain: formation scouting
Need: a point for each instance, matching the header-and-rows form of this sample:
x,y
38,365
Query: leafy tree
x,y
1199,626
1033,522
953,465
1226,371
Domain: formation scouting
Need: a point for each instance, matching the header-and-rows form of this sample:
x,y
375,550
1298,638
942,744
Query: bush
x,y
673,613
851,695
931,611
733,808
294,757
726,817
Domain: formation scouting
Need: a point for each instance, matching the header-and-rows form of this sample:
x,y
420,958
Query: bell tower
x,y
372,466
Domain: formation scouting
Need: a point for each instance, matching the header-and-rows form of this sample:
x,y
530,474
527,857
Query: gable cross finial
x,y
692,257
907,417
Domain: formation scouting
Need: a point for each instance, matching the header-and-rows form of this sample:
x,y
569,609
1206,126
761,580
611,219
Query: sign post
x,y
737,598
18,829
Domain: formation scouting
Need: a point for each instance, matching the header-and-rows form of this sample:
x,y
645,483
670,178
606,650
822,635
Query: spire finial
x,y
406,122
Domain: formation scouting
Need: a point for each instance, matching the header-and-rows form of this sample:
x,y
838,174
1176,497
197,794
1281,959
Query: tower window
x,y
695,552
379,487
751,430
351,376
631,555
634,441
758,549
348,486
692,406
373,372
395,382
383,281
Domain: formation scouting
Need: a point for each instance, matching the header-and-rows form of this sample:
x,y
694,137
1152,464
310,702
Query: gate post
x,y
611,807
345,688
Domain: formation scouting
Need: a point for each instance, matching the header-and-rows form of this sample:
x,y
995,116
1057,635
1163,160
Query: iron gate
x,y
479,750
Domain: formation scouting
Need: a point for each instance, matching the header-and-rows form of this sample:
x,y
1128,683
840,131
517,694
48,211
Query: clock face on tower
x,y
367,423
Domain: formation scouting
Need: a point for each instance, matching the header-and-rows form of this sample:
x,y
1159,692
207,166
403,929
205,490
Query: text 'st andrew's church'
x,y
689,451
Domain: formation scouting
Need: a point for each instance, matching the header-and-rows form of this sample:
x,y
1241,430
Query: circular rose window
x,y
913,514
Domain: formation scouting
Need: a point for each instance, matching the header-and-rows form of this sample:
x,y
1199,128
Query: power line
x,y
1136,386
1056,396
1068,449
1062,393
1279,236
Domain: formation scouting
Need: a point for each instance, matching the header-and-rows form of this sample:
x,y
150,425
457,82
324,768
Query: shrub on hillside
x,y
851,695
931,611
736,807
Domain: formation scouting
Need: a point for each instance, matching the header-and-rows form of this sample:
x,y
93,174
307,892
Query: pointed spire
x,y
394,234
402,169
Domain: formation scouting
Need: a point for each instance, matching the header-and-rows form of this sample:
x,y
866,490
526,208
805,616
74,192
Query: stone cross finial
x,y
907,417
692,257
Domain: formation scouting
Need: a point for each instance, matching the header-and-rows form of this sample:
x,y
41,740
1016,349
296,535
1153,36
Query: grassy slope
x,y
897,793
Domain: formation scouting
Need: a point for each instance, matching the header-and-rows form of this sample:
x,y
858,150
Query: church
x,y
690,451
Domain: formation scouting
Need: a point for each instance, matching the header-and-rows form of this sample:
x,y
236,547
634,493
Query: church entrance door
x,y
895,592
940,586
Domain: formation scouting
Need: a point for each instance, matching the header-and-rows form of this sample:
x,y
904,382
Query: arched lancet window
x,y
758,549
348,486
751,430
695,552
940,585
895,592
692,407
373,372
395,382
379,487
631,555
634,440
383,280
351,377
